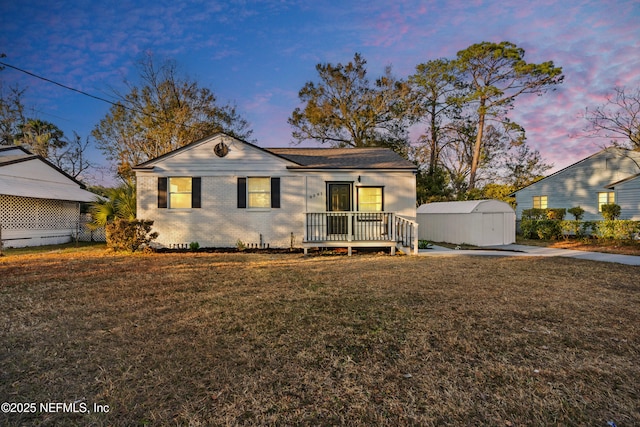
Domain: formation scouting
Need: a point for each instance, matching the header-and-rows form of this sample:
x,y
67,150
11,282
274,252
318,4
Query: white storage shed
x,y
474,222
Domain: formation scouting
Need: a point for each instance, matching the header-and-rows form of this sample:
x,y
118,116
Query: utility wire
x,y
64,86
116,104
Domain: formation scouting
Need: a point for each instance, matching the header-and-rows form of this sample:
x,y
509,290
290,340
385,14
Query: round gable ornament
x,y
221,149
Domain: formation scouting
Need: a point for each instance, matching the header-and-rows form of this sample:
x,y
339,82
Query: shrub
x,y
556,213
571,228
129,235
423,244
548,229
617,229
194,246
534,213
545,229
587,228
611,211
577,212
528,228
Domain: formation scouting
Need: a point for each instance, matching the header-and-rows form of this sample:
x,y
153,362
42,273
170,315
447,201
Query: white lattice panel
x,y
43,214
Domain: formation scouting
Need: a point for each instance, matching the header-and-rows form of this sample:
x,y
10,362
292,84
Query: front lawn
x,y
621,247
245,339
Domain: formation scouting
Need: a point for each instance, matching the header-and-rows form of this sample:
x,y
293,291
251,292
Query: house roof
x,y
619,151
629,178
33,176
343,158
467,206
313,158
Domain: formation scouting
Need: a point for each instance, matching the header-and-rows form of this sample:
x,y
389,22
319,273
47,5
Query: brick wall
x,y
219,223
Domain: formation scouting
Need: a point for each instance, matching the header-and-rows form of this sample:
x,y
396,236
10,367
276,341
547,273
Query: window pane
x,y
259,192
259,200
370,199
180,200
180,192
606,198
539,202
180,185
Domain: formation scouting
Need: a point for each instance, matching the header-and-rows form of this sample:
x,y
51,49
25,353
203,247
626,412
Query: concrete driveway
x,y
523,250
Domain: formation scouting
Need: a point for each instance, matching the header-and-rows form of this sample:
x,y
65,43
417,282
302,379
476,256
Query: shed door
x,y
492,229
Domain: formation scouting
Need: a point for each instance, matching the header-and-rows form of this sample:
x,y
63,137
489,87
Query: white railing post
x,y
350,227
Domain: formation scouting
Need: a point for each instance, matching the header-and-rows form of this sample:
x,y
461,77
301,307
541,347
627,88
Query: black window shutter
x,y
275,192
196,198
242,193
162,192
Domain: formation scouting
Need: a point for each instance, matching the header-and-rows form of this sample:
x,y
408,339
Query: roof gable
x,y
205,148
292,158
602,154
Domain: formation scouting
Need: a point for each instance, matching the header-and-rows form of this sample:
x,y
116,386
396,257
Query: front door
x,y
339,199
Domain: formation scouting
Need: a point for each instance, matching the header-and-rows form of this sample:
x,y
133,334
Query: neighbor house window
x,y
370,199
258,192
606,198
179,192
540,202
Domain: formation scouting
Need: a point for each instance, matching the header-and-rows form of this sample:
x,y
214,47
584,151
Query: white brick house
x,y
219,191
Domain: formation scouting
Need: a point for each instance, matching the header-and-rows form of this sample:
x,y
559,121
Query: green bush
x,y
527,227
545,229
194,246
534,213
617,229
549,229
587,228
571,228
611,211
556,213
577,212
129,235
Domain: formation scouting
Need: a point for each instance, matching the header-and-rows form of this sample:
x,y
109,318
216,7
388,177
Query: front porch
x,y
360,229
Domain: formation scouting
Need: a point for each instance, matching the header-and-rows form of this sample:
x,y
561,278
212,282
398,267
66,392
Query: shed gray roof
x,y
466,206
343,158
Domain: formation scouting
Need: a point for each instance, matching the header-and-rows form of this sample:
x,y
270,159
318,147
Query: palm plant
x,y
120,202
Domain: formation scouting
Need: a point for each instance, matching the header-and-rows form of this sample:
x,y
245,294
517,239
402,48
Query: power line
x,y
65,86
115,104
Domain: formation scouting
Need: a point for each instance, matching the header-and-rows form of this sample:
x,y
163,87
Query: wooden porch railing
x,y
407,233
360,229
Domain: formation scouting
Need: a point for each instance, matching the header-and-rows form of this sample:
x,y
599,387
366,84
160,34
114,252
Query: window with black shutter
x,y
179,192
258,192
242,193
162,192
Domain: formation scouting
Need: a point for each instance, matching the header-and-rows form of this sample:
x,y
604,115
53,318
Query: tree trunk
x,y
477,147
434,144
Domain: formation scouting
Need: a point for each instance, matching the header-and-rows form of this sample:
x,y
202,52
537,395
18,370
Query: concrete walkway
x,y
522,250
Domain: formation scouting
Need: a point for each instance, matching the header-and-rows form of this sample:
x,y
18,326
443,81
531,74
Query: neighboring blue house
x,y
608,176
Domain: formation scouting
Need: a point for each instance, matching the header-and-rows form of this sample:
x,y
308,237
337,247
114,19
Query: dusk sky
x,y
259,54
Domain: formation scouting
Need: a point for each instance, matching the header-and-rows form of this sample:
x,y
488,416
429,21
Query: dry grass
x,y
620,247
214,339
